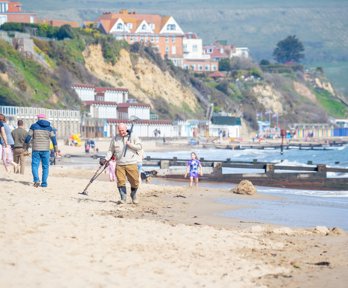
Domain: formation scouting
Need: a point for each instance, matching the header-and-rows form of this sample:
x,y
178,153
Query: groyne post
x,y
321,170
269,169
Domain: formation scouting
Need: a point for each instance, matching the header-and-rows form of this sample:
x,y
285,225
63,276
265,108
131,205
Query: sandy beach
x,y
55,237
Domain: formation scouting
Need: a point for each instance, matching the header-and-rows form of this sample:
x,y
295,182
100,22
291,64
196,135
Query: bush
x,y
3,67
65,31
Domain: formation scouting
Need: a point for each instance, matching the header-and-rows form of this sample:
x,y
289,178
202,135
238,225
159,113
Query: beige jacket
x,y
117,148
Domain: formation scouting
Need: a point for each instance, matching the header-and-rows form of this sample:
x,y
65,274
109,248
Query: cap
x,y
41,116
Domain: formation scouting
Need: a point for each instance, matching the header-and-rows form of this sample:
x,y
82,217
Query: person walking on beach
x,y
7,152
124,148
3,139
193,169
19,134
41,133
111,170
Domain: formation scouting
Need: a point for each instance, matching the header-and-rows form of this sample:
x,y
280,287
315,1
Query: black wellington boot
x,y
123,193
134,195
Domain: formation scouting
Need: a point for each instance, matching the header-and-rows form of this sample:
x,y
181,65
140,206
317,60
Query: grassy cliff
x,y
93,58
321,25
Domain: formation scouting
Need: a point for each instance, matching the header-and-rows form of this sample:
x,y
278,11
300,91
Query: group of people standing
x,y
12,145
15,144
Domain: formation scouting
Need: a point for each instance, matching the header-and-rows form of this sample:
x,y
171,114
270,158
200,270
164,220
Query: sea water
x,y
293,207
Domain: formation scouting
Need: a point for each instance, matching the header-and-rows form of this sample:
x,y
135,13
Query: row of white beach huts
x,y
105,108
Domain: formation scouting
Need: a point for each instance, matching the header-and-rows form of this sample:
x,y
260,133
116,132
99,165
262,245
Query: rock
x,y
321,230
337,231
245,187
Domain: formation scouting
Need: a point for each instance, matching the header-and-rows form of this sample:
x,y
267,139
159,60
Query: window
x,y
194,48
130,25
143,27
200,67
171,27
167,39
173,50
152,39
152,26
167,49
119,26
207,68
173,39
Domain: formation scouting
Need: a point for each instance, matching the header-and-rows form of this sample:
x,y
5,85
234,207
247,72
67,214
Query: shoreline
x,y
174,237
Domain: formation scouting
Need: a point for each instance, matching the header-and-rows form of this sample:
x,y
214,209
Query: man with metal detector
x,y
124,148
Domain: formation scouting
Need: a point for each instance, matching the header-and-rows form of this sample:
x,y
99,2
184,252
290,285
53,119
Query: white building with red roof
x,y
161,32
221,50
12,12
194,58
109,106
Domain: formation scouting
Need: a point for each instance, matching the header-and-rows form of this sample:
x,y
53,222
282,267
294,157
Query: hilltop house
x,y
221,50
194,58
59,23
12,12
161,32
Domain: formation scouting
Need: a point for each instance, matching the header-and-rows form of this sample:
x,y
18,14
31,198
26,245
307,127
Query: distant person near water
x,y
194,169
41,133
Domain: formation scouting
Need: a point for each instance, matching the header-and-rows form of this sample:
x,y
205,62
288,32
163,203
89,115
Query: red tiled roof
x,y
109,19
83,85
99,89
191,35
126,105
141,121
217,74
100,103
104,89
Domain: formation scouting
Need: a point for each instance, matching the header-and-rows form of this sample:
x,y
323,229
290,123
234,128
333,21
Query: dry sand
x,y
54,237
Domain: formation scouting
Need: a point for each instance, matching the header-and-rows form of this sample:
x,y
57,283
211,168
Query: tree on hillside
x,y
289,50
224,65
65,31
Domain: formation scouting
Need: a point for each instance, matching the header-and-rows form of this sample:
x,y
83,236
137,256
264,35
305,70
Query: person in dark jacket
x,y
41,133
19,134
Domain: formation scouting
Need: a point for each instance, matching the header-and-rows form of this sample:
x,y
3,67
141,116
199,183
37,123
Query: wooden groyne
x,y
313,177
288,146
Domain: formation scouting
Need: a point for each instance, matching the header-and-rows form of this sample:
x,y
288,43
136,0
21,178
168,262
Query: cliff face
x,y
172,93
144,80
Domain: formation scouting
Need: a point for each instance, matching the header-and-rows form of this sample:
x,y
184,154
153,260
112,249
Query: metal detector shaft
x,y
95,176
129,136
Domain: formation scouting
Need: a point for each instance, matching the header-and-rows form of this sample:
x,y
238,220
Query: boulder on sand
x,y
245,187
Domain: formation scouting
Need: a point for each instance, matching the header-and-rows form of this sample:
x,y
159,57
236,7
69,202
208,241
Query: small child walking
x,y
111,169
194,168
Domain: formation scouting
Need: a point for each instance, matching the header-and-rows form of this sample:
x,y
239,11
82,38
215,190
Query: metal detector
x,y
95,176
134,118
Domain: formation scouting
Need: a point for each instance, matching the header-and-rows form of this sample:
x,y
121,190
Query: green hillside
x,y
320,25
